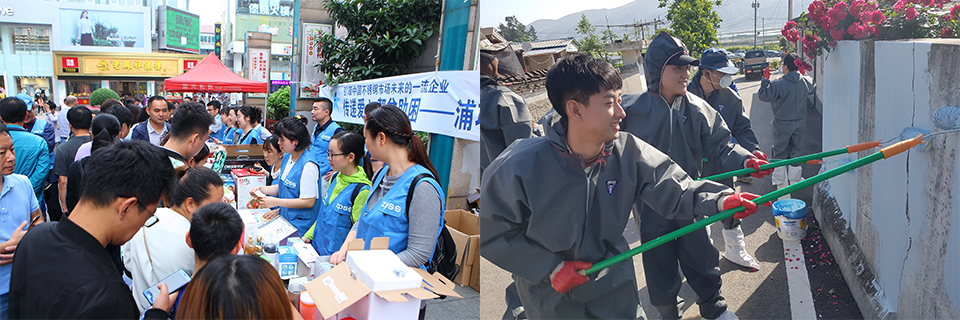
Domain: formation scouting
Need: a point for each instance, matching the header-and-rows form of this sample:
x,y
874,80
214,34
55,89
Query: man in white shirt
x,y
63,126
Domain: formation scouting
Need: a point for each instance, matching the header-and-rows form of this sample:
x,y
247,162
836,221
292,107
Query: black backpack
x,y
444,258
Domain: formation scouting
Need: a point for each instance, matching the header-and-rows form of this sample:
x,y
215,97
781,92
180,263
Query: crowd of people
x,y
121,192
636,153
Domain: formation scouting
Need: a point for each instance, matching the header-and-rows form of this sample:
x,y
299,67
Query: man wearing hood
x,y
506,119
789,96
712,83
685,128
556,204
505,115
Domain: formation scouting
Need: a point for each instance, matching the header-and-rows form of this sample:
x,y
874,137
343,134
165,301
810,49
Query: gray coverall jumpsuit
x,y
687,135
505,119
789,96
730,107
543,205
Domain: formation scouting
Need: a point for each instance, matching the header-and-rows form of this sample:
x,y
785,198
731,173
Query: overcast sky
x,y
492,12
209,10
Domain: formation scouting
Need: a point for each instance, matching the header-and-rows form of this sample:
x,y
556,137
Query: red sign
x,y
70,64
189,64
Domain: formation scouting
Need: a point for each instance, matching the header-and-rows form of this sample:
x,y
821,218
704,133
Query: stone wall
x,y
894,226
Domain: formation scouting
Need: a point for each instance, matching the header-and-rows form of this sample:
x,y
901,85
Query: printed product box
x,y
287,262
245,180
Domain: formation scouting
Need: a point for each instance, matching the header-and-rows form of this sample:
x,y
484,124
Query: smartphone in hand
x,y
175,282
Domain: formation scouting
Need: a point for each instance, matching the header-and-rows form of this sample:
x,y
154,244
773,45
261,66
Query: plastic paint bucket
x,y
791,220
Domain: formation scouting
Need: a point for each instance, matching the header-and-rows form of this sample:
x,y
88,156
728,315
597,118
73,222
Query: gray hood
x,y
661,49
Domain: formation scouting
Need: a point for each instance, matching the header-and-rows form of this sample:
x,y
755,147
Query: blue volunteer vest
x,y
220,133
333,222
320,145
302,219
228,135
388,218
254,137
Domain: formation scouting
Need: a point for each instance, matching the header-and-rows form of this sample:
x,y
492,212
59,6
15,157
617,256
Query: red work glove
x,y
565,276
755,163
742,199
760,155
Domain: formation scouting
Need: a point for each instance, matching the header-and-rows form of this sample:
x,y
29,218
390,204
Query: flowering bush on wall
x,y
828,21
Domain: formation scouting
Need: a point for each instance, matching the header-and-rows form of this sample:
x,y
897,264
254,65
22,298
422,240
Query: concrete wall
x,y
893,225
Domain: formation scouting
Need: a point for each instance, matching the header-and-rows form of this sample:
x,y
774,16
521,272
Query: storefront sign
x,y
280,28
181,30
6,11
70,64
281,8
98,28
120,65
311,79
443,102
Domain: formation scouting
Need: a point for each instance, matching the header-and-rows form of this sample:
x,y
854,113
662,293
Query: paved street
x,y
763,294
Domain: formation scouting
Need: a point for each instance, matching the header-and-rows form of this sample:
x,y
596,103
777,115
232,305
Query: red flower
x,y
790,25
837,34
855,7
947,33
911,13
878,17
955,11
926,3
869,6
899,6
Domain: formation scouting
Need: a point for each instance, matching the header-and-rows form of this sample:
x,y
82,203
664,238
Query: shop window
x,y
81,89
33,85
31,39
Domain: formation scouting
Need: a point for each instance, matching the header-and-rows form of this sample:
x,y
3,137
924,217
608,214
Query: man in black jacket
x,y
114,203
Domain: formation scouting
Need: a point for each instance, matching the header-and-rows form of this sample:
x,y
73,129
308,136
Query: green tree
x,y
515,31
384,37
695,22
278,104
590,42
100,95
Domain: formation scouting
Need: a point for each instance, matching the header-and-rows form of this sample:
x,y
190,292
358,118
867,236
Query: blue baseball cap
x,y
716,59
26,99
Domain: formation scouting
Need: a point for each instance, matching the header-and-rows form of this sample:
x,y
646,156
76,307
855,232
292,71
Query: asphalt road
x,y
759,294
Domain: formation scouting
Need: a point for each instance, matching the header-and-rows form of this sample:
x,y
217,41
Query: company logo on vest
x,y
390,206
341,207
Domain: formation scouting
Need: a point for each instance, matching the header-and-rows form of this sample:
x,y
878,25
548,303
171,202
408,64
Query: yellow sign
x,y
114,66
155,65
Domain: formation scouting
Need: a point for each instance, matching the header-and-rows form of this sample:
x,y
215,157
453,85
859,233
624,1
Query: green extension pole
x,y
798,160
882,154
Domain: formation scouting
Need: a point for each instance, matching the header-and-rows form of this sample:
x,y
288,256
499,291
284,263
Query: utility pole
x,y
763,39
755,5
789,10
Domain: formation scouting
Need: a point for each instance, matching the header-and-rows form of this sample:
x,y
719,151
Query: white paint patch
x,y
841,112
471,165
801,299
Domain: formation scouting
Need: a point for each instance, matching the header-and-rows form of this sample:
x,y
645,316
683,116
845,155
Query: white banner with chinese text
x,y
442,102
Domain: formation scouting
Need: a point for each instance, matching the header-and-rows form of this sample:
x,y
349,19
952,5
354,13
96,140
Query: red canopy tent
x,y
210,75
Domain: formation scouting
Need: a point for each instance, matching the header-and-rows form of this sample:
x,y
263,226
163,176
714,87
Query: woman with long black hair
x,y
299,186
413,229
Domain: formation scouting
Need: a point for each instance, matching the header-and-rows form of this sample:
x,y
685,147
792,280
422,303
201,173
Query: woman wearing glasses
x,y
413,224
348,191
299,186
160,248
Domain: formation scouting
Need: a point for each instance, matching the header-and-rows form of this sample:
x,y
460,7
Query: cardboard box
x,y
382,270
338,293
245,180
475,278
464,227
244,151
287,262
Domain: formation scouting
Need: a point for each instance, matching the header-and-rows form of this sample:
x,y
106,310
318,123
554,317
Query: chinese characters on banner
x,y
443,102
312,81
259,65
